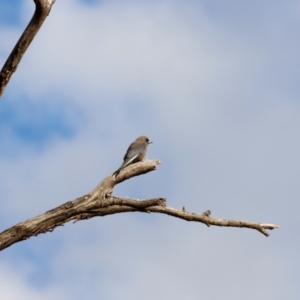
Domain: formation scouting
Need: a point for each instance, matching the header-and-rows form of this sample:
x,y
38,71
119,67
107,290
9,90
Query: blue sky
x,y
215,86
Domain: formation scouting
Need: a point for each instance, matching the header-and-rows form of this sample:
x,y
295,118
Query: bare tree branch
x,y
42,10
206,219
100,202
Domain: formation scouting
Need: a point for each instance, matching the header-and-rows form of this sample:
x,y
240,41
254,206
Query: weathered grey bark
x,y
42,10
100,202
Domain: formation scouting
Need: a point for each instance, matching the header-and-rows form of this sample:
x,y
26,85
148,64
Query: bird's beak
x,y
150,142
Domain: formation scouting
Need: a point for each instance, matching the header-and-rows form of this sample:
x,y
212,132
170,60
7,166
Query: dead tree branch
x,y
100,202
42,10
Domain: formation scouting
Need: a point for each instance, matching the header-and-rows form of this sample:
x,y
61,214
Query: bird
x,y
135,152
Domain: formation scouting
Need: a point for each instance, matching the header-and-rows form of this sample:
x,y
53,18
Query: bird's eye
x,y
147,140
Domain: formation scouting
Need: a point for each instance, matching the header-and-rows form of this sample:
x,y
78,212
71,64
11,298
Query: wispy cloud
x,y
214,85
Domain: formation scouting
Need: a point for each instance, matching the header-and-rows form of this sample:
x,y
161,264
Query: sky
x,y
215,86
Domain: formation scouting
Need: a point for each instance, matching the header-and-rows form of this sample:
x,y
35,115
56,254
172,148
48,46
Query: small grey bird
x,y
135,152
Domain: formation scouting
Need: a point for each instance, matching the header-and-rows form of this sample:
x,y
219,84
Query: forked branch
x,y
100,202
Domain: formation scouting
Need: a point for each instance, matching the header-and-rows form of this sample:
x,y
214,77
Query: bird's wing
x,y
128,161
134,151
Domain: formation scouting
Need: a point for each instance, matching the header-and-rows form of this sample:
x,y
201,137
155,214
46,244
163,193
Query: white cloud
x,y
217,93
14,287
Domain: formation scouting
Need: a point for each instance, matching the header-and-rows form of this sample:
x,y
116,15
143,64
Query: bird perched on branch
x,y
135,152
